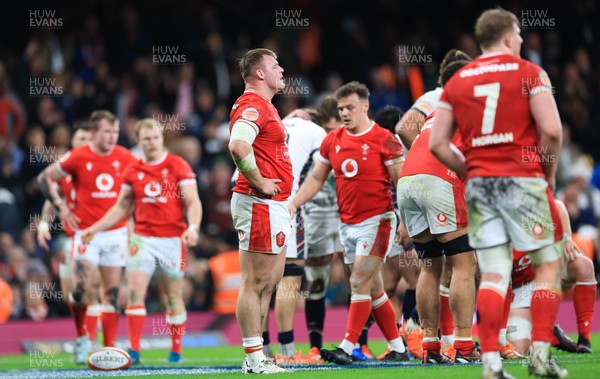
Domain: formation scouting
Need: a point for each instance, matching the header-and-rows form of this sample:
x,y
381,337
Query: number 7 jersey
x,y
490,101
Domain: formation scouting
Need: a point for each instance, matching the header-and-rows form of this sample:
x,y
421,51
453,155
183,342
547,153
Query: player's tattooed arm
x,y
48,186
47,179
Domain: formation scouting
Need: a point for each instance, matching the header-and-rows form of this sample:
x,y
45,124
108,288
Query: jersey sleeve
x,y
319,136
391,151
251,114
126,180
324,149
427,103
537,81
185,175
445,101
67,164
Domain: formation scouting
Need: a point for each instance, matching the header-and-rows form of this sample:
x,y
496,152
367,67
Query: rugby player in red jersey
x,y
160,187
506,114
259,201
364,157
97,170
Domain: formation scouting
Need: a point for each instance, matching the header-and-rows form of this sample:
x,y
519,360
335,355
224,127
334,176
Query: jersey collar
x,y
363,133
158,161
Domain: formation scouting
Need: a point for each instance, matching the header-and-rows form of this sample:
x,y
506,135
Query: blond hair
x,y
148,123
492,25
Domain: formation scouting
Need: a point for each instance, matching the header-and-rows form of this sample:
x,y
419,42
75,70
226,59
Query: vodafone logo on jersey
x,y
105,183
152,189
524,261
442,217
350,167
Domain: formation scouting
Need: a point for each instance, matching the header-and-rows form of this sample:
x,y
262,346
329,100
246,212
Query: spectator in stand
x,y
12,119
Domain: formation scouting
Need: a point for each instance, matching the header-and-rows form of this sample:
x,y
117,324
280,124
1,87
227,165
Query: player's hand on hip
x,y
87,236
269,187
571,251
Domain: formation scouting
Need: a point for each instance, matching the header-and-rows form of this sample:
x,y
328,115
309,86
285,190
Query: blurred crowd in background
x,y
177,63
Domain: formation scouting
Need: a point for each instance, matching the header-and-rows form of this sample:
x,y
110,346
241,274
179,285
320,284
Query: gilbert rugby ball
x,y
109,359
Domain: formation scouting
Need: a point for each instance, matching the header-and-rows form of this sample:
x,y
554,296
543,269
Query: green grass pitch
x,y
225,362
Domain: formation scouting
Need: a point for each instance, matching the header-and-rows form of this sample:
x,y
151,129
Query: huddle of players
x,y
463,187
95,188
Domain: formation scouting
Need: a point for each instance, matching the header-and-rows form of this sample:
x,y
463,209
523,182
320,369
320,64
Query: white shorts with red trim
x,y
263,225
516,209
323,235
372,237
296,248
106,248
151,253
429,202
395,251
522,296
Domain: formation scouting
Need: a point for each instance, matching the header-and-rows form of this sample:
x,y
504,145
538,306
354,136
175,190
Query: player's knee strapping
x,y
519,328
496,260
292,269
431,249
318,279
457,246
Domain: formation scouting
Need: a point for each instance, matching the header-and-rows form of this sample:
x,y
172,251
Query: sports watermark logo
x,y
43,155
42,359
537,224
167,55
44,19
290,19
170,122
533,86
36,222
44,87
45,291
532,19
414,55
535,291
160,327
285,290
295,87
410,259
534,155
410,189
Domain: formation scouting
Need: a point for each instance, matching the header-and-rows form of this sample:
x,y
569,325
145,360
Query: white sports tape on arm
x,y
243,131
248,163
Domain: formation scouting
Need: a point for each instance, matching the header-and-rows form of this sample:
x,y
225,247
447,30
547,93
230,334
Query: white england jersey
x,y
304,140
427,103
